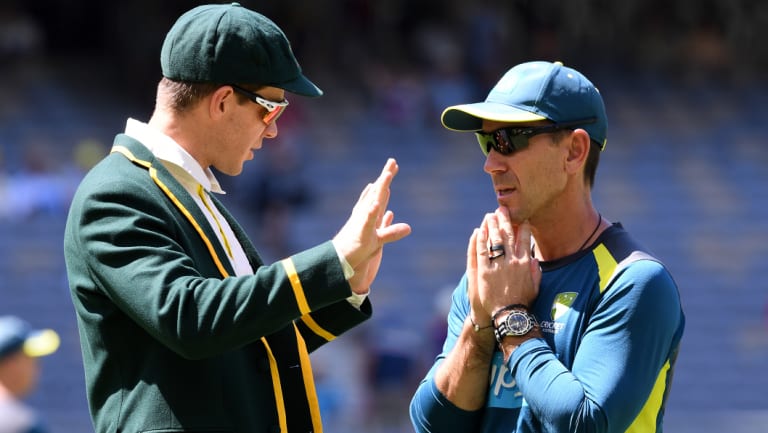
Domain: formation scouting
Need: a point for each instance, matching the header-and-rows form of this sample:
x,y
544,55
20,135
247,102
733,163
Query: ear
x,y
220,101
578,150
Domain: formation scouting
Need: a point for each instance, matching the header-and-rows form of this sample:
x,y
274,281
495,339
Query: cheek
x,y
252,129
245,133
546,179
555,174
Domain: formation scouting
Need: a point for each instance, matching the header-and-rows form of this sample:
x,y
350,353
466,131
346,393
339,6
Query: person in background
x,y
183,327
20,346
562,322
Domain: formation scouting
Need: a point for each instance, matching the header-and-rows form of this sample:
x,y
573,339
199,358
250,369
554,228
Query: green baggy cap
x,y
230,44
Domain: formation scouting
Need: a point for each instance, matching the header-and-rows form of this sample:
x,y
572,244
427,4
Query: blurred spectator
x,y
20,34
488,27
275,193
393,351
437,329
447,82
20,346
87,153
398,95
35,188
343,393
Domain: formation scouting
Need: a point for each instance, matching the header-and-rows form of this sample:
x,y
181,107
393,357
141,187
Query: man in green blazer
x,y
183,327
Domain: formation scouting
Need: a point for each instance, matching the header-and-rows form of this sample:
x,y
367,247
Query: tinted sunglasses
x,y
511,139
274,108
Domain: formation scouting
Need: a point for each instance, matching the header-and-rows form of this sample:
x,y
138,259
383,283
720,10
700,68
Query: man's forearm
x,y
464,374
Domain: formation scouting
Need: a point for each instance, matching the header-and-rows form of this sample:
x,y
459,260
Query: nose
x,y
494,163
271,130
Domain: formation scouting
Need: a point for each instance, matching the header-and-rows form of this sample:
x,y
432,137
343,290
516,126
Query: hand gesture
x,y
504,271
368,228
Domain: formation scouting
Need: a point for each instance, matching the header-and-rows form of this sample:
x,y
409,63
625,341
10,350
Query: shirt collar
x,y
168,150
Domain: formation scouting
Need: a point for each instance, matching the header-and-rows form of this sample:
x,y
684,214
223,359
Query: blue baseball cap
x,y
536,91
17,335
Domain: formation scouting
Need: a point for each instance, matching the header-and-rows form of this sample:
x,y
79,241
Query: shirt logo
x,y
562,304
503,392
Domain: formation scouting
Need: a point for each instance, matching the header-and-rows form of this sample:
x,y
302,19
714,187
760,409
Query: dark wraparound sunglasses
x,y
511,139
274,108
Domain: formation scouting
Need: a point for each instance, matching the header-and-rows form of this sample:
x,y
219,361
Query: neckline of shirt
x,y
168,150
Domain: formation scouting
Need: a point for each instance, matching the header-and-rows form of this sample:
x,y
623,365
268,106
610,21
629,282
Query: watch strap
x,y
506,308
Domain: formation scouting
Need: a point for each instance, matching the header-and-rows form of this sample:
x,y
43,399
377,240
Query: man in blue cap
x,y
182,325
20,346
562,321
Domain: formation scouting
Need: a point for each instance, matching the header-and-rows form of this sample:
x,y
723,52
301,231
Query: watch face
x,y
518,323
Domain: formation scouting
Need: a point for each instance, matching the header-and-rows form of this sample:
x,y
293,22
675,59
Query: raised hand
x,y
366,272
368,228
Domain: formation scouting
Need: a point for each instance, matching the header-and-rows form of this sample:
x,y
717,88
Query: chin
x,y
516,215
231,171
513,209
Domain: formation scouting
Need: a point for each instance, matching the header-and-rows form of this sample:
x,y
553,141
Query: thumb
x,y
394,232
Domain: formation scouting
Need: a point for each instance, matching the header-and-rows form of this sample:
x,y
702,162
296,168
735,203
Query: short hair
x,y
183,95
593,160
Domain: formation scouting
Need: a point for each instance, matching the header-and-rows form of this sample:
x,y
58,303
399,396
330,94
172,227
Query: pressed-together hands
x,y
362,238
512,278
492,283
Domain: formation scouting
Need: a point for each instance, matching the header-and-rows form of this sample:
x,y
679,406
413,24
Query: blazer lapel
x,y
250,251
179,197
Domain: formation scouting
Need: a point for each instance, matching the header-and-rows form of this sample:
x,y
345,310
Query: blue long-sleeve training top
x,y
612,321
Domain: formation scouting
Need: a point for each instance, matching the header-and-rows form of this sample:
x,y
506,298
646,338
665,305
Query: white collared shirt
x,y
190,174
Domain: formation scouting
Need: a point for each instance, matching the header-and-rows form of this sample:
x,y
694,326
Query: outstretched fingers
x,y
384,181
370,225
373,200
388,232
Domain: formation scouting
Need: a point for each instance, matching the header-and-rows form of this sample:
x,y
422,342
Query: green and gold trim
x,y
153,174
301,301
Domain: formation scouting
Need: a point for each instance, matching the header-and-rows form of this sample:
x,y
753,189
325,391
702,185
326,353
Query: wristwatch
x,y
516,324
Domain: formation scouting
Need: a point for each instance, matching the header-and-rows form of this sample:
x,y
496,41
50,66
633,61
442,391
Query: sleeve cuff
x,y
357,300
348,271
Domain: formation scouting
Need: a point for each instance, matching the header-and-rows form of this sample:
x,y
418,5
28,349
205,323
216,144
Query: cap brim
x,y
41,343
469,117
301,86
